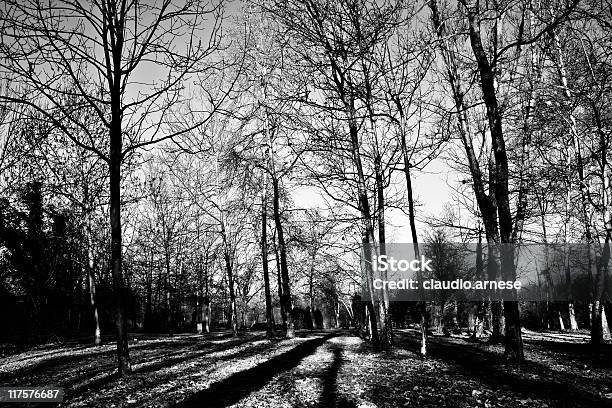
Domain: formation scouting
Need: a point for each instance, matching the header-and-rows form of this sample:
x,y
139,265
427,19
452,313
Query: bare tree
x,y
126,61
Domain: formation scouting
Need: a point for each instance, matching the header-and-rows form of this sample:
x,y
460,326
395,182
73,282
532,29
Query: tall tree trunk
x,y
311,302
406,155
415,242
479,309
597,308
206,307
199,313
115,82
497,315
282,250
94,306
385,317
487,203
149,296
573,323
264,260
513,339
284,288
123,357
230,283
206,313
91,281
601,332
279,281
168,290
368,227
199,310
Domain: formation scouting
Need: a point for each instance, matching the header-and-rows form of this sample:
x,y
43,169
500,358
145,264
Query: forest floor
x,y
319,369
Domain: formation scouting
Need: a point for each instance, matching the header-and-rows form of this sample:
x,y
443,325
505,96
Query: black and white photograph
x,y
305,203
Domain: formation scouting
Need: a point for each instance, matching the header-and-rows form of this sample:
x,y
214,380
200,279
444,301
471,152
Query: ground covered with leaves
x,y
319,369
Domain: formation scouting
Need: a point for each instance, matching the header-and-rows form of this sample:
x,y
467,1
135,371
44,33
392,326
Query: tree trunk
x,y
168,290
438,324
94,306
472,322
230,284
513,339
206,311
92,288
368,228
411,216
282,250
560,320
572,317
605,328
415,243
385,317
311,296
478,310
496,320
264,259
199,313
284,290
573,323
207,307
123,357
279,282
597,308
596,324
486,201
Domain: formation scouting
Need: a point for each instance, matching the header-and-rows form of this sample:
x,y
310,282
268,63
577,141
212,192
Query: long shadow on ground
x,y
330,397
54,363
93,377
237,386
163,362
487,368
600,358
171,359
156,351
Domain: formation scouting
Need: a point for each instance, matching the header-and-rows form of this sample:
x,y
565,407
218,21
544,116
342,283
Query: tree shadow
x,y
170,359
488,368
152,381
51,364
73,388
44,352
239,385
330,397
584,352
153,351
